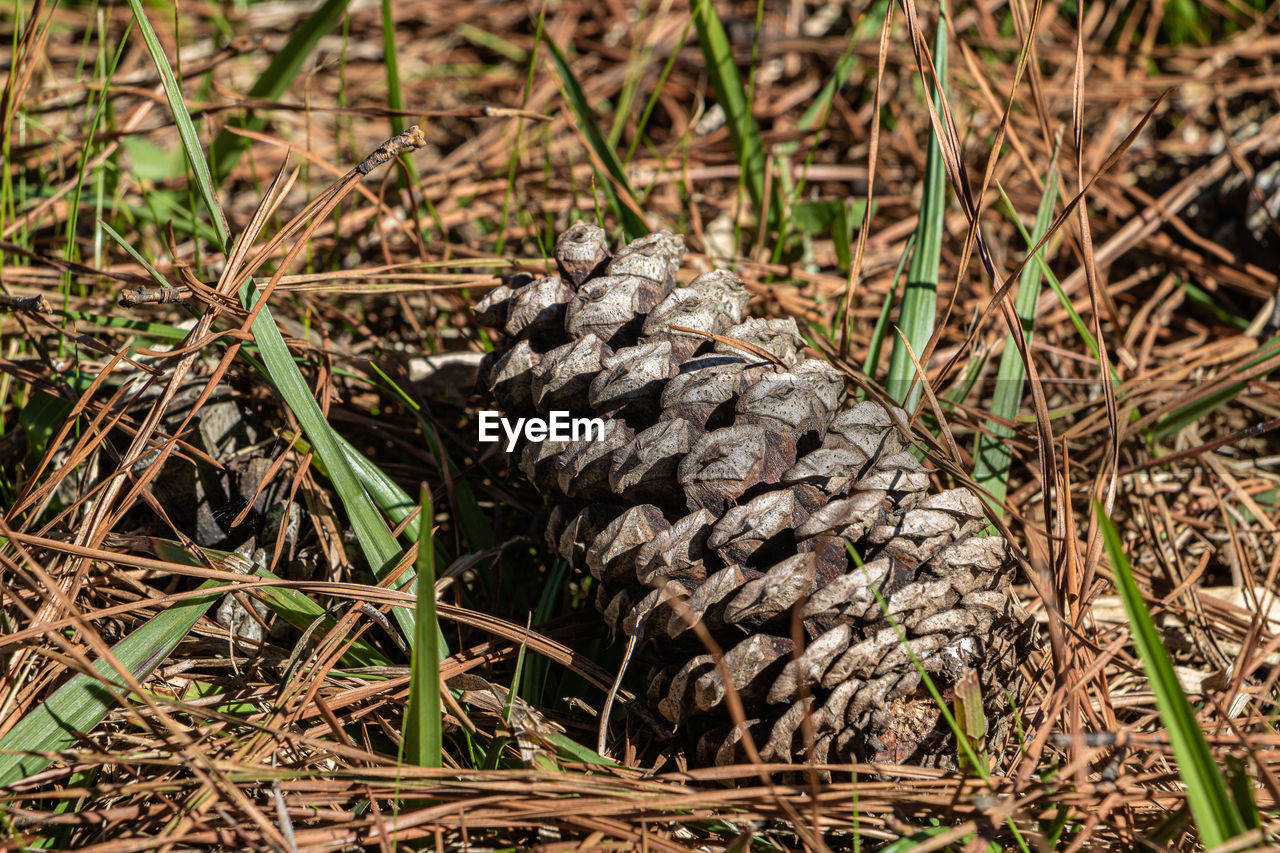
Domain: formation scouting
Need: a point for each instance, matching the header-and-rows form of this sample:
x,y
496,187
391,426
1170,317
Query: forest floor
x,y
273,718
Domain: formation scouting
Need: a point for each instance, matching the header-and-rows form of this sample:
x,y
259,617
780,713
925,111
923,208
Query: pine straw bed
x,y
259,746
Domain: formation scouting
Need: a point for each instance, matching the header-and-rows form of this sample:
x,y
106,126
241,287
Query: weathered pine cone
x,y
725,488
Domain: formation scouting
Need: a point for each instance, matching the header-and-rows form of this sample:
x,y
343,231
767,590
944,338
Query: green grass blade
x,y
82,167
1193,412
1212,808
815,119
537,667
186,128
1065,301
1242,791
1199,409
971,715
1208,302
920,299
393,501
514,692
423,743
637,64
81,704
632,225
284,66
297,608
376,542
817,111
395,99
881,328
963,745
492,41
570,749
395,94
142,328
513,162
992,457
744,131
164,209
472,520
137,256
643,123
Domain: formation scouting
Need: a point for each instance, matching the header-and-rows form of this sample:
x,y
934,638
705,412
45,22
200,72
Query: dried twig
x,y
37,304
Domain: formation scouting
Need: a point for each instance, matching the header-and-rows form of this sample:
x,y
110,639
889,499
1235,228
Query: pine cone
x,y
728,483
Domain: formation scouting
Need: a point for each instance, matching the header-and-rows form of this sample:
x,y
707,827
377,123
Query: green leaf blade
x,y
744,131
273,82
920,297
1214,811
423,723
993,458
186,128
78,706
376,542
632,225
